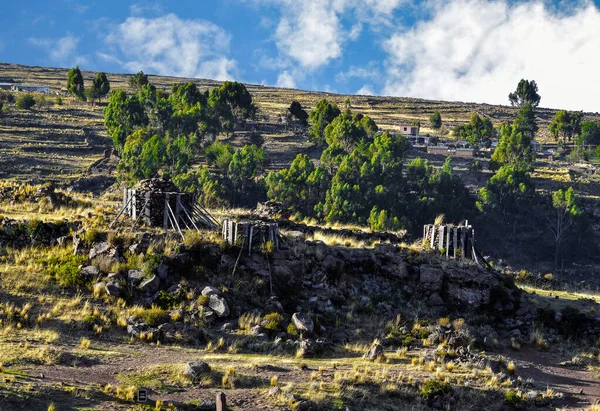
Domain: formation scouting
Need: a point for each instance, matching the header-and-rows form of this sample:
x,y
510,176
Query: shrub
x,y
167,300
433,388
59,101
203,300
91,236
25,102
292,330
65,270
273,321
512,398
153,316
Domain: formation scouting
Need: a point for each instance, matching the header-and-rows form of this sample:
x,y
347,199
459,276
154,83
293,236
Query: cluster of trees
x,y
160,133
361,179
479,132
75,86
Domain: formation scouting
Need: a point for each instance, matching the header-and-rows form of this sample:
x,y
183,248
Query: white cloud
x,y
169,45
59,50
285,79
478,50
312,33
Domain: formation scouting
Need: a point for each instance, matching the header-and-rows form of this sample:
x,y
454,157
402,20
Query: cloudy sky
x,y
464,50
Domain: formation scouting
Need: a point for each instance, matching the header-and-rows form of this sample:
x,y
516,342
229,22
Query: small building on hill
x,y
409,130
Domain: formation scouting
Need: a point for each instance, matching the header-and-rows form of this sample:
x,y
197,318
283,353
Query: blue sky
x,y
464,50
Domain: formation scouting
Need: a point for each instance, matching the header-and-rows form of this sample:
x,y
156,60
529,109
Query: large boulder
x,y
150,286
99,249
332,264
163,271
303,322
431,278
195,370
114,288
90,271
375,351
209,290
219,305
134,277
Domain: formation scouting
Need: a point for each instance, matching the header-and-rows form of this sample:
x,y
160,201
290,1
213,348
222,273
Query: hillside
x,y
73,134
321,317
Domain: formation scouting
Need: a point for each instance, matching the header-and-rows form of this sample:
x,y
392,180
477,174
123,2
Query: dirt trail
x,y
579,386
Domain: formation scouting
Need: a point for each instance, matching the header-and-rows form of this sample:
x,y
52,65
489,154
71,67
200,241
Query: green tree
x,y
478,132
566,124
561,220
348,130
139,80
219,155
513,149
296,110
526,123
435,120
526,93
244,166
122,116
211,193
508,191
291,186
75,83
25,102
100,85
231,103
319,118
590,133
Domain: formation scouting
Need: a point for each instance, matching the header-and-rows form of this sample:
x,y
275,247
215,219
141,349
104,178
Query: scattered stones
x,y
209,290
134,277
99,249
431,278
114,288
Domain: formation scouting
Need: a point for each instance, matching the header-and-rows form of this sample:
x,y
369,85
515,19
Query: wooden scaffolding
x,y
252,234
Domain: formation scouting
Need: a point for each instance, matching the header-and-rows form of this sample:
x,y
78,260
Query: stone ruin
x,y
251,234
457,242
158,203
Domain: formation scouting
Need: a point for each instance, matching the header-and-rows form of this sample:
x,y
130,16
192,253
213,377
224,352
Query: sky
x,y
455,50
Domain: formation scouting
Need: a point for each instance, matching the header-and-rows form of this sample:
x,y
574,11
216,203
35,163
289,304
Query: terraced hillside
x,y
59,141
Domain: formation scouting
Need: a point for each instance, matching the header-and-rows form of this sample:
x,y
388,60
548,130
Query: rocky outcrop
x,y
195,370
303,322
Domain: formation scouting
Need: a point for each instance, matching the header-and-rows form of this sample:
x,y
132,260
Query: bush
x,y
167,300
91,236
25,102
433,388
59,101
153,316
65,270
512,398
292,330
273,321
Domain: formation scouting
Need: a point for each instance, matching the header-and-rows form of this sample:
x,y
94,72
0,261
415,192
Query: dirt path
x,y
580,387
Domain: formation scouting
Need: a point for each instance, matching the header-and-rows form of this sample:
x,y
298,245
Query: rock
x,y
435,300
135,277
431,278
62,241
303,322
196,369
150,286
375,352
99,288
206,405
114,288
90,271
219,305
333,265
163,271
209,290
281,271
401,271
99,249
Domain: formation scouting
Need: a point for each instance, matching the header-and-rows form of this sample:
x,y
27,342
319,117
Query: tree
x,y
513,149
122,116
75,83
565,209
139,80
590,133
244,166
231,103
435,120
25,102
101,85
526,93
525,122
319,118
478,132
566,124
298,112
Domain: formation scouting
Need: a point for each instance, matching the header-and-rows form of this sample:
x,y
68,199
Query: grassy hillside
x,y
55,142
